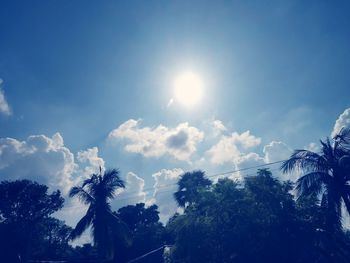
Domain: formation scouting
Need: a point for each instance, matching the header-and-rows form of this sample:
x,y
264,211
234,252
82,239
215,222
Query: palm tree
x,y
189,186
97,191
327,175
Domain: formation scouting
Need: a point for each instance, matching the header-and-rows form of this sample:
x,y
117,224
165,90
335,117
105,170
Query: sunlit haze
x,y
188,88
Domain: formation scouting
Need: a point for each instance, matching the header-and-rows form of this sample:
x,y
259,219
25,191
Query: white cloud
x,y
171,101
133,192
246,161
179,142
218,126
249,160
314,147
4,106
164,188
230,148
276,151
90,162
342,121
39,158
48,161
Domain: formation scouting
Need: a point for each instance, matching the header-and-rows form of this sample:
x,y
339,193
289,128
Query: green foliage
x,y
258,221
27,202
147,233
24,206
189,185
51,240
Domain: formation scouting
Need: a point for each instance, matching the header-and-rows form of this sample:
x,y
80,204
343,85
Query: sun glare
x,y
188,88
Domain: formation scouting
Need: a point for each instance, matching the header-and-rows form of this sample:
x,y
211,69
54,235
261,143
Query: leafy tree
x,y
147,232
189,186
138,215
326,174
256,221
97,192
50,241
24,205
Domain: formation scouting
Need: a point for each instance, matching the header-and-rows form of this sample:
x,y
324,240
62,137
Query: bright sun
x,y
188,88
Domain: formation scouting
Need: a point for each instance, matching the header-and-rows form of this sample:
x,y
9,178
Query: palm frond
x,y
90,182
346,200
304,160
83,224
346,197
111,181
112,177
180,198
311,183
343,137
327,150
80,192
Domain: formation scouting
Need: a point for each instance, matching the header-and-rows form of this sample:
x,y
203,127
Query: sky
x,y
86,84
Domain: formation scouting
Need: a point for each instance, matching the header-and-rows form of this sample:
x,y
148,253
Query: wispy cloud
x,y
171,101
4,106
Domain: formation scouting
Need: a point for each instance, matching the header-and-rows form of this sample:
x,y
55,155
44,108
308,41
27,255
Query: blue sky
x,y
278,69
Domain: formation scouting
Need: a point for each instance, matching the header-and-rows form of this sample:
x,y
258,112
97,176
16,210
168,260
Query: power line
x,y
171,185
132,195
247,168
147,254
210,176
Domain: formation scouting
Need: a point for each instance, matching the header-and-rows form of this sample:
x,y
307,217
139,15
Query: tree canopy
x,y
257,219
24,205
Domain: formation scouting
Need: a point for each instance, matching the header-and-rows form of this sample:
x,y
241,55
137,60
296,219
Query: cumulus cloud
x,y
48,161
342,121
90,162
229,148
164,187
133,193
276,151
39,158
4,106
249,160
179,142
244,161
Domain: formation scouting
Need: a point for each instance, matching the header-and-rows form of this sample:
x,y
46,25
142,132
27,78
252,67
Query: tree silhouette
x,y
189,186
147,232
51,240
254,221
97,192
327,174
23,206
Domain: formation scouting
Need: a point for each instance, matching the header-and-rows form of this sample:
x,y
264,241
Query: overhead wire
x,y
135,194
